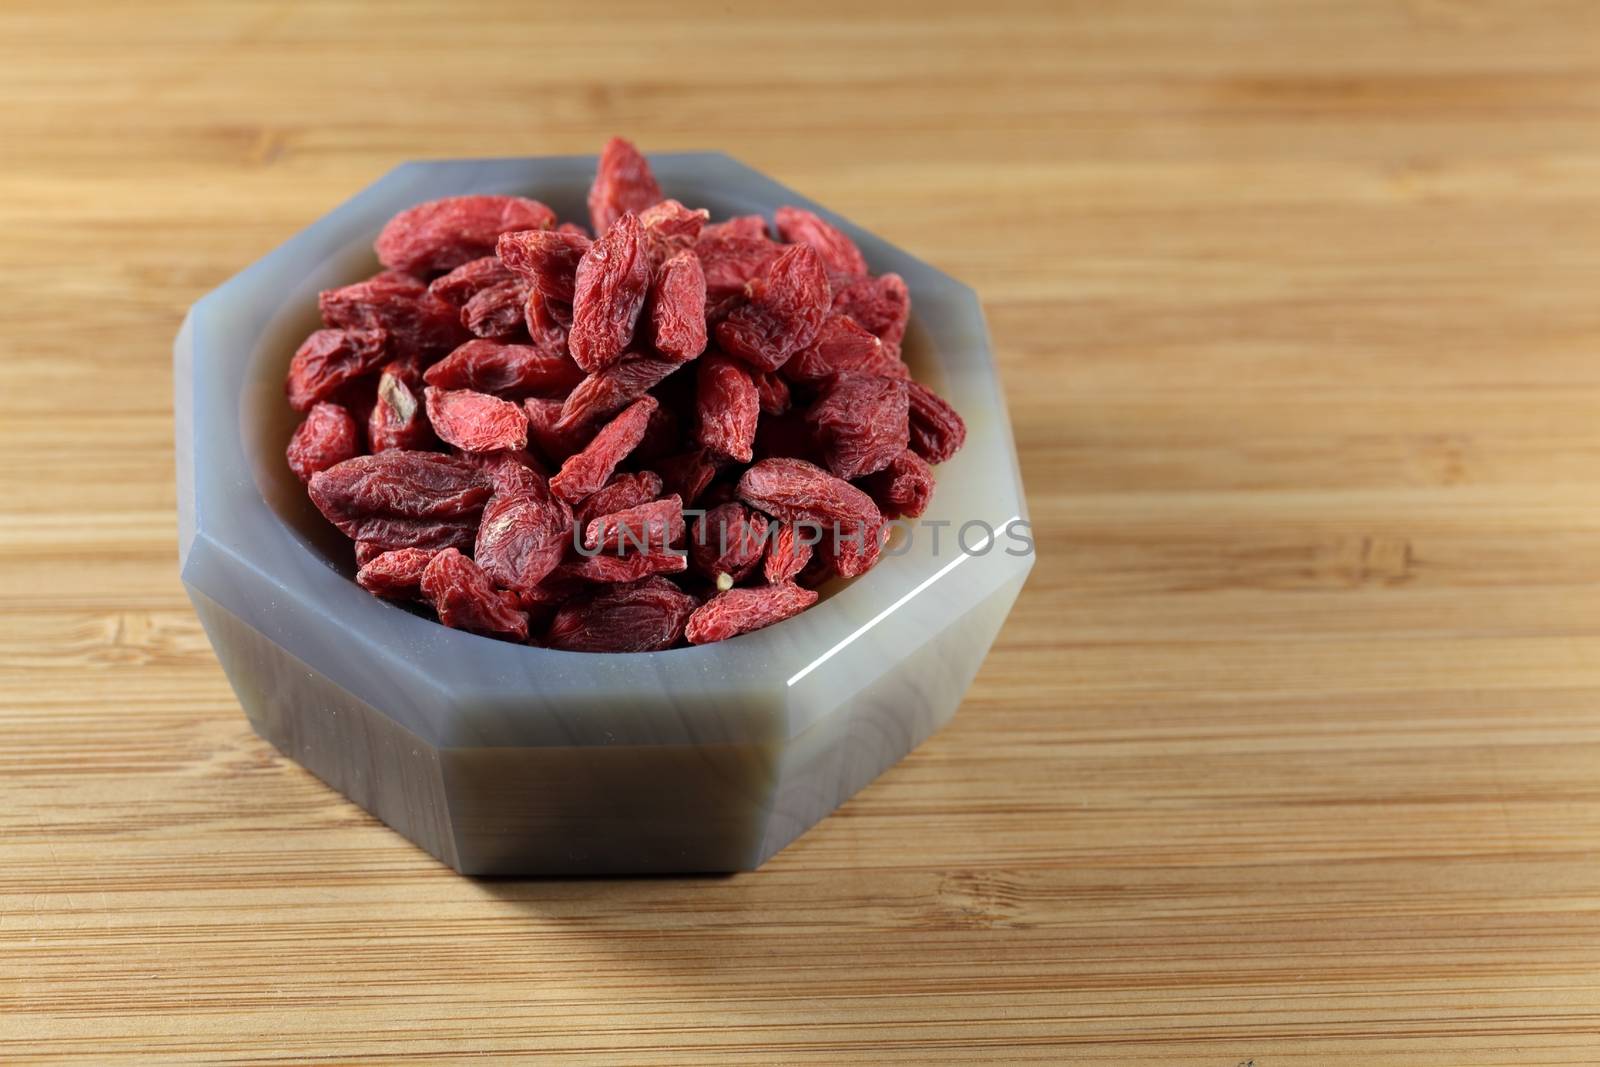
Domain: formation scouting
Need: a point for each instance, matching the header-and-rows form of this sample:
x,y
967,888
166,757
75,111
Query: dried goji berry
x,y
796,491
688,474
403,499
496,311
882,305
608,294
588,470
937,432
839,254
328,435
546,259
788,553
730,262
524,532
609,390
396,574
466,599
472,277
329,360
646,616
553,444
623,491
747,226
417,321
739,611
861,423
728,406
903,488
678,308
654,527
504,468
773,392
509,369
440,235
397,419
623,182
788,303
474,421
727,543
547,329
670,228
606,568
843,345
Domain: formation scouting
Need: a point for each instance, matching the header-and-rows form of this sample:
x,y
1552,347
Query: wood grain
x,y
1288,753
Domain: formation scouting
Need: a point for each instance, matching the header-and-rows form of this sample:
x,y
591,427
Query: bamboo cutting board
x,y
1289,752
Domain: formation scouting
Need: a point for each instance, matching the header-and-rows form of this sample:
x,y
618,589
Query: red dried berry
x,y
937,432
403,499
678,308
512,370
504,468
608,391
328,435
465,599
882,305
588,470
546,259
727,543
417,322
788,304
839,254
496,311
773,392
623,491
670,228
608,294
789,552
843,345
630,568
730,262
903,488
397,419
728,406
396,574
739,611
861,423
651,527
329,360
646,616
688,474
474,421
524,532
796,491
622,183
469,279
440,235
553,444
746,226
547,331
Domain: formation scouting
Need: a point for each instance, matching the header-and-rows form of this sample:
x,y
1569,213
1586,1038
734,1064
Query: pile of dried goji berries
x,y
673,431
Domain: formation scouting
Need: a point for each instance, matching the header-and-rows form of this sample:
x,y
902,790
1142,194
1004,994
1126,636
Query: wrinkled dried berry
x,y
497,311
623,491
524,532
396,574
588,470
843,345
397,419
670,228
773,393
882,305
903,488
789,551
608,391
839,254
688,474
440,235
469,279
746,226
508,369
728,406
678,308
417,322
543,436
328,435
650,527
796,491
608,293
739,611
730,262
466,599
329,360
788,303
861,423
474,421
727,543
546,259
622,182
646,616
937,432
605,568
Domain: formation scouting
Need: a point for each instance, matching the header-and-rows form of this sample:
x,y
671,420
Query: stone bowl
x,y
502,759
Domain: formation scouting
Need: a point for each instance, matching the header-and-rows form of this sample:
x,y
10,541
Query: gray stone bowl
x,y
503,759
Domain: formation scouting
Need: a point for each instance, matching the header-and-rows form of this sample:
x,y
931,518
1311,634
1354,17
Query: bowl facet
x,y
503,759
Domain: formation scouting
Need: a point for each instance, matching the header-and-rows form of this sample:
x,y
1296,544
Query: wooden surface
x,y
1290,752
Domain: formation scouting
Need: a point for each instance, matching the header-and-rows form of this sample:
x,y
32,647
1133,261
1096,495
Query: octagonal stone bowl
x,y
504,759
